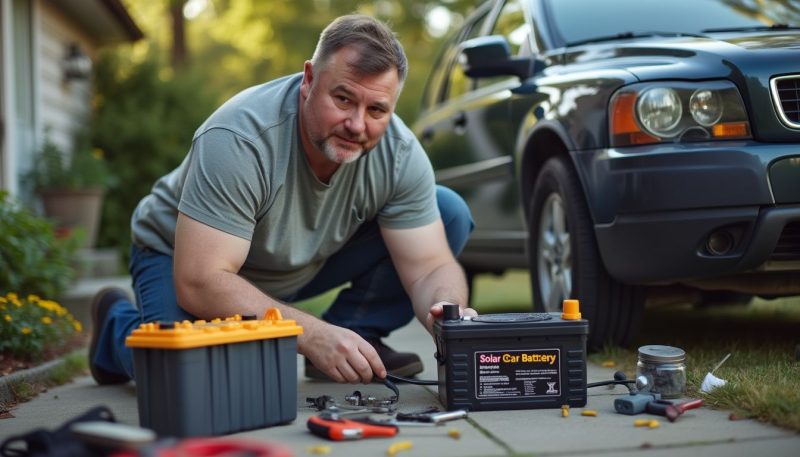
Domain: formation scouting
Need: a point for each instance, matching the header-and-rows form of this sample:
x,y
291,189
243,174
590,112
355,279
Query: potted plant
x,y
71,186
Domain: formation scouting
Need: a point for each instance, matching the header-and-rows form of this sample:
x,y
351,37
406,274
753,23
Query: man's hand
x,y
341,354
437,310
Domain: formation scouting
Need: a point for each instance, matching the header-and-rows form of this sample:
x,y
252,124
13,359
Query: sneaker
x,y
101,304
405,364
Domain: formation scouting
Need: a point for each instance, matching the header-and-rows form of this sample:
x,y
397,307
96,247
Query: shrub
x,y
32,257
30,325
144,120
84,168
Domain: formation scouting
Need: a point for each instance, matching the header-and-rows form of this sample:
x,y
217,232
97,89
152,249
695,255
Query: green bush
x,y
144,120
29,325
32,258
84,168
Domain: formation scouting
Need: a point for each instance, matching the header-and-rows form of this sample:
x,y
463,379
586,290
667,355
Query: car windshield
x,y
584,20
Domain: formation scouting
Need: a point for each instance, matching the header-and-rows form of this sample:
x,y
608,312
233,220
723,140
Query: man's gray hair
x,y
379,49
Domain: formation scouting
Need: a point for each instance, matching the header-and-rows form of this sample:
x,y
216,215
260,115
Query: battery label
x,y
518,373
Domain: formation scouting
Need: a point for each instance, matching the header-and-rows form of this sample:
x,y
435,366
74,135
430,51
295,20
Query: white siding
x,y
64,106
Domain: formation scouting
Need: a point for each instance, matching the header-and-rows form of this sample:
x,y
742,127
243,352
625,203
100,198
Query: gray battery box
x,y
214,378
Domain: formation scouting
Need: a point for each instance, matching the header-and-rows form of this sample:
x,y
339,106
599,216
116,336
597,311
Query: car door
x,y
469,137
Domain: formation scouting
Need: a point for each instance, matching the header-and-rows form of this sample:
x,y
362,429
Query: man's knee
x,y
456,217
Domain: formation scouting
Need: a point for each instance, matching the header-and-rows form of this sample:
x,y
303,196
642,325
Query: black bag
x,y
58,443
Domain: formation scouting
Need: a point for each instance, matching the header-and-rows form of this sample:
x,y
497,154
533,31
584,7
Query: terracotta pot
x,y
75,208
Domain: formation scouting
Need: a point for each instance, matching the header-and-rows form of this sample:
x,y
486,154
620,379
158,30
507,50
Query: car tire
x,y
565,262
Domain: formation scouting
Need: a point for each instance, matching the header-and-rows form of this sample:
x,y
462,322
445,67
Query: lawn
x,y
763,372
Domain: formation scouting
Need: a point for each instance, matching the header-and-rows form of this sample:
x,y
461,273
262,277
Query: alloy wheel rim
x,y
554,256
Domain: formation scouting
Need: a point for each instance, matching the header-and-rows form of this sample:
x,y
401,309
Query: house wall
x,y
65,106
35,37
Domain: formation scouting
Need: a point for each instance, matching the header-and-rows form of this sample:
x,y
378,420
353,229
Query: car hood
x,y
716,56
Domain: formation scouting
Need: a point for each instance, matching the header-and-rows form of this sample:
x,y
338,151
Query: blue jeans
x,y
373,305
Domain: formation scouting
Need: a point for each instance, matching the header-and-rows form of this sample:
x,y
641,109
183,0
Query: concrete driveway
x,y
703,431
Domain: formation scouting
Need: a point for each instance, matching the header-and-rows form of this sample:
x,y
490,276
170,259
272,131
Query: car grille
x,y
786,95
788,247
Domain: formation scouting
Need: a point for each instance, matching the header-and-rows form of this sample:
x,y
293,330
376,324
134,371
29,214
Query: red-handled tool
x,y
336,428
672,411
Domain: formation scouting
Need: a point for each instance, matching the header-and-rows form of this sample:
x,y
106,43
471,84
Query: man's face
x,y
343,113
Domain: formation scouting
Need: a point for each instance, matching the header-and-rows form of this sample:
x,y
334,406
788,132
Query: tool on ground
x,y
635,403
431,416
334,427
670,410
358,401
511,361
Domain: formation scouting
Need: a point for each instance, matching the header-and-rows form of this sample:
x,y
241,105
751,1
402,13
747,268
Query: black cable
x,y
419,382
610,382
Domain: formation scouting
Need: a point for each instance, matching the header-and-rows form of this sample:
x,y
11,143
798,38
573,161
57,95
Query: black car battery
x,y
513,360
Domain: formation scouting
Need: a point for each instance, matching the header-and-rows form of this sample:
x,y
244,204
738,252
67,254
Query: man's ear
x,y
308,79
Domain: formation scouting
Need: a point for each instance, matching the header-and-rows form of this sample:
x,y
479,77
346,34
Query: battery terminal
x,y
571,310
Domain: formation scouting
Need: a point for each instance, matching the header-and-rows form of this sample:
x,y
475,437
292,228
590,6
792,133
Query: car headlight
x,y
659,109
677,111
706,107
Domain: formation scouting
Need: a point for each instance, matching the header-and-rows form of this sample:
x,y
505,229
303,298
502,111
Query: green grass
x,y
763,373
73,365
492,294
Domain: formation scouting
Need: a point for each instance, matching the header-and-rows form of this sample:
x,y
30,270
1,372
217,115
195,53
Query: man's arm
x,y
207,284
428,270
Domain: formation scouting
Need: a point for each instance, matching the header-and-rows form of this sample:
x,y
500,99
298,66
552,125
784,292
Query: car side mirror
x,y
491,56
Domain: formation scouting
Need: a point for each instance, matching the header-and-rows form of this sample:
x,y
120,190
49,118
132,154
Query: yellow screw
x,y
319,450
397,447
454,433
564,410
589,413
650,423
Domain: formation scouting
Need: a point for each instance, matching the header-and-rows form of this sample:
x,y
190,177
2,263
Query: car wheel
x,y
565,263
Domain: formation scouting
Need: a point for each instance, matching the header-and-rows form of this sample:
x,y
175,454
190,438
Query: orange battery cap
x,y
236,329
571,310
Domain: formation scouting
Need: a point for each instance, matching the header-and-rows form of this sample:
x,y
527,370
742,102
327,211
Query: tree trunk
x,y
180,52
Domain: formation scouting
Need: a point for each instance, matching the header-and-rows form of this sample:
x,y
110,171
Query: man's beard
x,y
337,154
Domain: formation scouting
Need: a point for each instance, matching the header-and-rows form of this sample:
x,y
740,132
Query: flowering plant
x,y
31,325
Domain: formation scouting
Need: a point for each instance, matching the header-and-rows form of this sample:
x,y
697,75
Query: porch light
x,y
76,64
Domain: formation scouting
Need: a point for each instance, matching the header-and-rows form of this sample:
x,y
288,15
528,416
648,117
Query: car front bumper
x,y
655,209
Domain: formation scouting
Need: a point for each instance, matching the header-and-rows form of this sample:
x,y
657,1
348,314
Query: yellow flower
x,y
78,327
33,298
8,318
26,330
15,301
46,320
98,153
3,300
11,296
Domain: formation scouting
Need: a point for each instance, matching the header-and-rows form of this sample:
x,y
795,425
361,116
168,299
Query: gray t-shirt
x,y
246,174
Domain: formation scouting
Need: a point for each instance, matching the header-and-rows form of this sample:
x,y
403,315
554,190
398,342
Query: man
x,y
292,188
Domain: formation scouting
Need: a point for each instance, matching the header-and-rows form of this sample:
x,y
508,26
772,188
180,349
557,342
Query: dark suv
x,y
625,151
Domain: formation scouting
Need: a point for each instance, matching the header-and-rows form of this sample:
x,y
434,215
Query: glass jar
x,y
665,369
